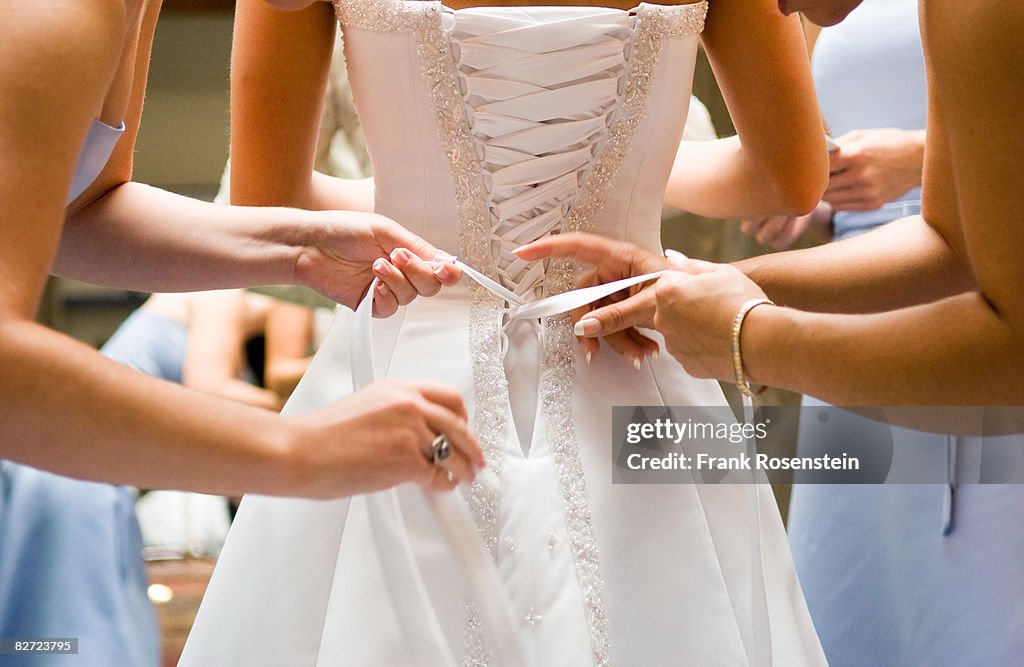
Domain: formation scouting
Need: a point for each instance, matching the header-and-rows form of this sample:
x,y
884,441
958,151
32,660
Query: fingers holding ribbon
x,y
617,317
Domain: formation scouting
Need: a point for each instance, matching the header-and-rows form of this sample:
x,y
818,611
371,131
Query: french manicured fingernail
x,y
400,257
382,288
588,326
588,357
380,267
675,254
442,271
636,363
655,354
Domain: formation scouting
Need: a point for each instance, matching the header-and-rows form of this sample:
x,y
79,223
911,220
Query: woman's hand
x,y
615,318
692,306
345,254
872,167
381,436
782,231
696,305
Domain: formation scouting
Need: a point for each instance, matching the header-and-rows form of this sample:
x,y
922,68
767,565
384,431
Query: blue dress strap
x,y
96,151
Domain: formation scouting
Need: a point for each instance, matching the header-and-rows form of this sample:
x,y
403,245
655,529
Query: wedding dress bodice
x,y
491,127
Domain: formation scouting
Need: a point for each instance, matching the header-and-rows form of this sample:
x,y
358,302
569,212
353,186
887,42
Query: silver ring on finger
x,y
440,449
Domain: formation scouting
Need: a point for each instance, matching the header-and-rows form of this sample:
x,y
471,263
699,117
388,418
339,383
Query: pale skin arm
x,y
280,63
65,407
126,234
289,332
214,358
961,349
777,161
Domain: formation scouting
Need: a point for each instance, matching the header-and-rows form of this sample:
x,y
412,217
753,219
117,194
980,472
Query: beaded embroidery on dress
x,y
488,128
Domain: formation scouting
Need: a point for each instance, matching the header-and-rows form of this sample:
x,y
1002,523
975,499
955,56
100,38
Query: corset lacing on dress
x,y
539,101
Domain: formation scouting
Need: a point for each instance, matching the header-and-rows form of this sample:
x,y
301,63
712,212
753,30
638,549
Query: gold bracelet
x,y
737,357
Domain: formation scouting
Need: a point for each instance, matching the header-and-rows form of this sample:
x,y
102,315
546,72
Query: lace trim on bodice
x,y
535,119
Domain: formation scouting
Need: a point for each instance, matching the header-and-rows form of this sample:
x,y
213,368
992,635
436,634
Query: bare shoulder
x,y
979,38
42,28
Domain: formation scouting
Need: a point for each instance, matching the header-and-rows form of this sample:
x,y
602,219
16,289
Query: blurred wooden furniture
x,y
187,579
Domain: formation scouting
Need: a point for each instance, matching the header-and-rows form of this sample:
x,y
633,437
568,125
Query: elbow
x,y
797,185
802,201
800,193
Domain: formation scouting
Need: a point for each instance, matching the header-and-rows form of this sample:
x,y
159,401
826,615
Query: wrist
x,y
739,368
305,240
290,469
764,345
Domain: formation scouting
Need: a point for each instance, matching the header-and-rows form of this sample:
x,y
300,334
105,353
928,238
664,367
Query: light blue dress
x,y
902,575
70,551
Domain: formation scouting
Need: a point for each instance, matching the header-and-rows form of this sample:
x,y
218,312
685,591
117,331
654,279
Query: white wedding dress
x,y
488,128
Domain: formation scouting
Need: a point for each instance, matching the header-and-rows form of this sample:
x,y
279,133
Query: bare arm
x,y
214,358
277,99
777,162
289,332
127,234
151,240
68,409
900,264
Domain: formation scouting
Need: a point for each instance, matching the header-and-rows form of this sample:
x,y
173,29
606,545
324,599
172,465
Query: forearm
x,y
777,164
903,263
68,409
143,238
717,179
330,193
956,351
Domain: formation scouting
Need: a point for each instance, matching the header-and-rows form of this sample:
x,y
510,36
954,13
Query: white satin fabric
x,y
685,574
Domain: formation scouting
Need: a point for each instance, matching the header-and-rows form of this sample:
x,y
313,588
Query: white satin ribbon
x,y
409,594
760,619
559,303
412,602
